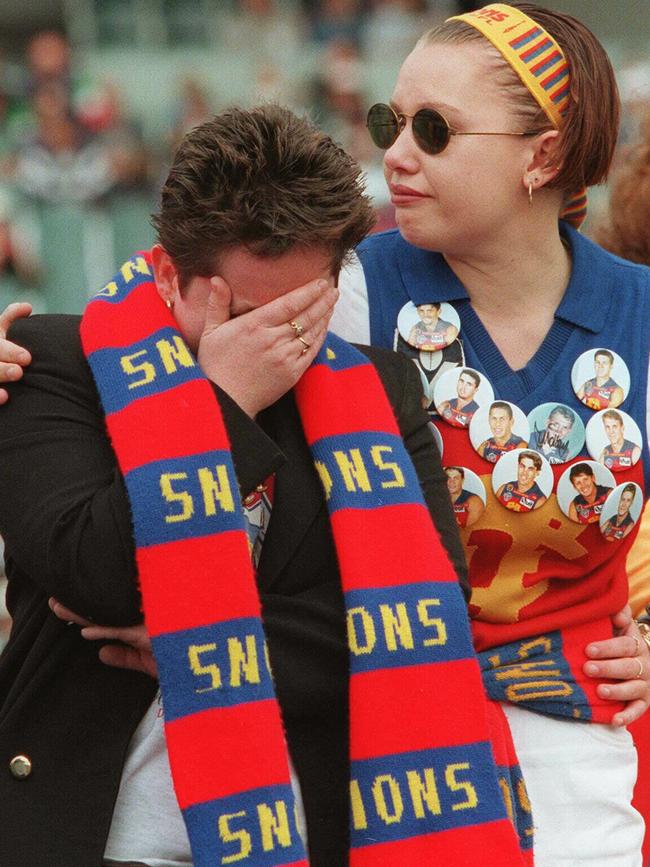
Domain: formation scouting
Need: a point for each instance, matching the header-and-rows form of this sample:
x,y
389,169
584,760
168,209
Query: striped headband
x,y
541,65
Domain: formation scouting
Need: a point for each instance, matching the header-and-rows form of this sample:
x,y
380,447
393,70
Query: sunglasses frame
x,y
400,123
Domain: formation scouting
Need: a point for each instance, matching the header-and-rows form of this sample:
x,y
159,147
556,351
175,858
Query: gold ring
x,y
304,343
297,328
639,672
637,646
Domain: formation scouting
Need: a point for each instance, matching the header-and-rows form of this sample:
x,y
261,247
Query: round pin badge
x,y
600,378
437,437
428,327
467,493
582,491
497,428
614,439
522,480
459,393
621,511
556,432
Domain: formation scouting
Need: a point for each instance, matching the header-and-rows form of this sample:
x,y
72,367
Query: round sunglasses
x,y
431,129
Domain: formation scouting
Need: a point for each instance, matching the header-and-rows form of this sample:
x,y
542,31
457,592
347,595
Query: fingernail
x,y
605,691
592,650
323,284
23,357
13,372
591,668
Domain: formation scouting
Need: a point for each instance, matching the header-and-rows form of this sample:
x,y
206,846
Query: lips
x,y
402,195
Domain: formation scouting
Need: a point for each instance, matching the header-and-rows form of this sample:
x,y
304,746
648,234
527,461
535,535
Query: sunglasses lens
x,y
382,125
430,131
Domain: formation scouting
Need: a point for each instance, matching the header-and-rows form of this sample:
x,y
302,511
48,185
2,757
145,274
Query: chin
x,y
412,230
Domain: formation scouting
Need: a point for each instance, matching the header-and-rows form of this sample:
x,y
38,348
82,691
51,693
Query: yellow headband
x,y
539,62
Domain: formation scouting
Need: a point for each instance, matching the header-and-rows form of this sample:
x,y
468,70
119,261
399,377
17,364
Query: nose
x,y
403,154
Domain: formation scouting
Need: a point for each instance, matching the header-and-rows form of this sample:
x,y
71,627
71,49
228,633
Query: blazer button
x,y
20,767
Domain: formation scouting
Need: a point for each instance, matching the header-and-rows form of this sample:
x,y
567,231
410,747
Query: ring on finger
x,y
297,328
305,345
637,646
639,672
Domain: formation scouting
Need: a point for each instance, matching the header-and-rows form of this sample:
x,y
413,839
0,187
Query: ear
x,y
165,272
542,165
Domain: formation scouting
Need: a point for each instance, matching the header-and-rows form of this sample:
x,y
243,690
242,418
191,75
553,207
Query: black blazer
x,y
64,516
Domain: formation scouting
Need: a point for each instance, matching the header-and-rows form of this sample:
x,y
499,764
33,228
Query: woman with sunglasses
x,y
498,121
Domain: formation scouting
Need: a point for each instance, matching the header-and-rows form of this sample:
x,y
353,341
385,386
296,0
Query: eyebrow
x,y
442,107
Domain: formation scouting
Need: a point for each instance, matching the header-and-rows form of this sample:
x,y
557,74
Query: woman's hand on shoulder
x,y
624,659
12,357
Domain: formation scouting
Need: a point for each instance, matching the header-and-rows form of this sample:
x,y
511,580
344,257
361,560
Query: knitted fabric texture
x,y
424,785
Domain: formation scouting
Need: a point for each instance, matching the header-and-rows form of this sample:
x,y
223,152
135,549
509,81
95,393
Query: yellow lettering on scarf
x,y
424,790
326,479
436,623
194,652
359,819
507,797
274,825
109,290
146,368
524,803
229,836
396,623
173,353
387,466
388,813
138,264
181,497
353,470
397,795
455,785
243,661
216,490
364,643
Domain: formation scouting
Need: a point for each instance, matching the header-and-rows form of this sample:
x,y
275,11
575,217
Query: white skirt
x,y
580,779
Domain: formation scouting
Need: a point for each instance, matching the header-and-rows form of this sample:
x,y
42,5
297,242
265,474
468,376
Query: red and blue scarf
x,y
424,784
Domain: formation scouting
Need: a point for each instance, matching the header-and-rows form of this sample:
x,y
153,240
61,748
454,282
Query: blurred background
x,y
95,94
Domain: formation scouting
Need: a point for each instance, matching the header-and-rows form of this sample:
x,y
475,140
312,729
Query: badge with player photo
x,y
582,491
459,393
522,481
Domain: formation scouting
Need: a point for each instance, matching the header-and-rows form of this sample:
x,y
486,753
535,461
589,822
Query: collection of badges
x,y
520,447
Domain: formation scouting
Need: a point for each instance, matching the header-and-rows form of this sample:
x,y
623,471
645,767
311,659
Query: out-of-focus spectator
x,y
341,106
337,20
19,269
266,30
392,27
626,230
192,108
49,62
122,137
61,162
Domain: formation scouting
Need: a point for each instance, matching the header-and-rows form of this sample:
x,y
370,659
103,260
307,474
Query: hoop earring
x,y
530,192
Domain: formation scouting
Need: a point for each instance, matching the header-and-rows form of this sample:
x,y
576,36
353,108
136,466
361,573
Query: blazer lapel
x,y
298,496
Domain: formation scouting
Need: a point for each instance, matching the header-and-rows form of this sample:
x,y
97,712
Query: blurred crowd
x,y
81,162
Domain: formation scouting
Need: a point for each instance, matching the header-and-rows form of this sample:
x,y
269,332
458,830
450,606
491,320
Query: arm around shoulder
x,y
64,512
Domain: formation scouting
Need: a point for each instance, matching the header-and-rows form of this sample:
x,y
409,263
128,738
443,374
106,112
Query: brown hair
x,y
590,126
533,456
628,231
264,179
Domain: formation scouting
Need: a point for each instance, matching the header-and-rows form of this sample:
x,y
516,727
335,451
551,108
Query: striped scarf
x,y
424,785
